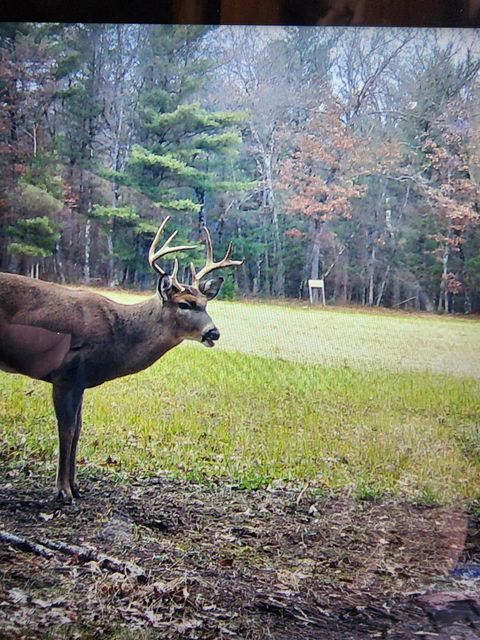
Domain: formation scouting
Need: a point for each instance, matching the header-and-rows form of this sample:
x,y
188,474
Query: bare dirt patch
x,y
223,563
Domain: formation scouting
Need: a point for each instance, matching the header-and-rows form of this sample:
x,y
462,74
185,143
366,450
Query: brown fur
x,y
79,339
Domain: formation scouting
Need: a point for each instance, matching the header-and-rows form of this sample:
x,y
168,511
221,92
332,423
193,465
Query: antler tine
x,y
175,282
194,273
210,265
208,242
229,251
154,255
151,253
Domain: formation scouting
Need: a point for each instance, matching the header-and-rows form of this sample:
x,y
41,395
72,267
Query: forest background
x,y
343,153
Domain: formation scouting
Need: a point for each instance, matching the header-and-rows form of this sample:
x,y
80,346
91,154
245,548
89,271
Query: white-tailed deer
x,y
80,339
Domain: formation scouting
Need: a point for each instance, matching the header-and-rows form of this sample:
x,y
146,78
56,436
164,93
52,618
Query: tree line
x,y
348,154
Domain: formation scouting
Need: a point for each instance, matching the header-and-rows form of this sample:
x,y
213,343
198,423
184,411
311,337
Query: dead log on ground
x,y
83,553
25,545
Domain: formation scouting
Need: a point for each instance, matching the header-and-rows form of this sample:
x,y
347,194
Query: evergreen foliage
x,y
35,237
349,154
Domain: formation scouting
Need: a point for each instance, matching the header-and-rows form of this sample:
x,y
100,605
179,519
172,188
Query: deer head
x,y
183,305
80,339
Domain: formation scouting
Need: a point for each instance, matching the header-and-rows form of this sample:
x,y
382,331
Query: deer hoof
x,y
76,490
65,497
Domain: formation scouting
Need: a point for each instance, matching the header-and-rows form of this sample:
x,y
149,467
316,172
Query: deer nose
x,y
212,334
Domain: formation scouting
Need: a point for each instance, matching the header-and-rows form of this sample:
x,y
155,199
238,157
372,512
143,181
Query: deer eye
x,y
184,305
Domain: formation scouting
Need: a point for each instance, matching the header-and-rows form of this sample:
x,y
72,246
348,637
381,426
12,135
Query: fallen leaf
x,y
46,516
18,596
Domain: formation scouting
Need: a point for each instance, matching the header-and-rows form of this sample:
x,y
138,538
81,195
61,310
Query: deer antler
x,y
210,264
175,282
154,254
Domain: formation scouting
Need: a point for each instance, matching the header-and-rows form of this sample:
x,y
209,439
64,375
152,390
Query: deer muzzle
x,y
210,337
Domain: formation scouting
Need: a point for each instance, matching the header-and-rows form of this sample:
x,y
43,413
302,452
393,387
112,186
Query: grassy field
x,y
348,338
371,403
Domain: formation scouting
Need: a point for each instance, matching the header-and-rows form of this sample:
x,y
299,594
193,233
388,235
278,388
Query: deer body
x,y
79,339
52,333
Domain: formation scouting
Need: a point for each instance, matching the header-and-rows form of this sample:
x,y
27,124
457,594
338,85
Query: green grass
x,y
358,420
393,341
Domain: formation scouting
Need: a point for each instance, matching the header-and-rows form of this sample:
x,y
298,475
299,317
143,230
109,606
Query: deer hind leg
x,y
67,401
73,454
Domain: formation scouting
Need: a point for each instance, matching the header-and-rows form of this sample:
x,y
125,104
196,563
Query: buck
x,y
78,339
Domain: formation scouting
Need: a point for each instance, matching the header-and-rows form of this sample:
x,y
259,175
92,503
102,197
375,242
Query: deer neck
x,y
147,333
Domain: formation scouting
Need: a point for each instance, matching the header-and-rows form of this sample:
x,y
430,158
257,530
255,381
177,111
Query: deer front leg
x,y
73,454
67,401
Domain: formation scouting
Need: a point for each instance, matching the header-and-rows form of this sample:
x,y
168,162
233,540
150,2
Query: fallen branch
x,y
18,502
88,554
25,545
403,301
287,608
83,553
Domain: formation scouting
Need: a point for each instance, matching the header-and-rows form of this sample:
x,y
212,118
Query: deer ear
x,y
165,287
211,288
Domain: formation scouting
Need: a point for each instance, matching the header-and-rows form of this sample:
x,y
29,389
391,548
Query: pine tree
x,y
184,151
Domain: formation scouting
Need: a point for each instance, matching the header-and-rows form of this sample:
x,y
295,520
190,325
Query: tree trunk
x,y
257,277
396,290
111,280
274,261
344,289
371,283
278,279
35,270
267,287
35,140
382,286
58,262
88,240
279,275
443,298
